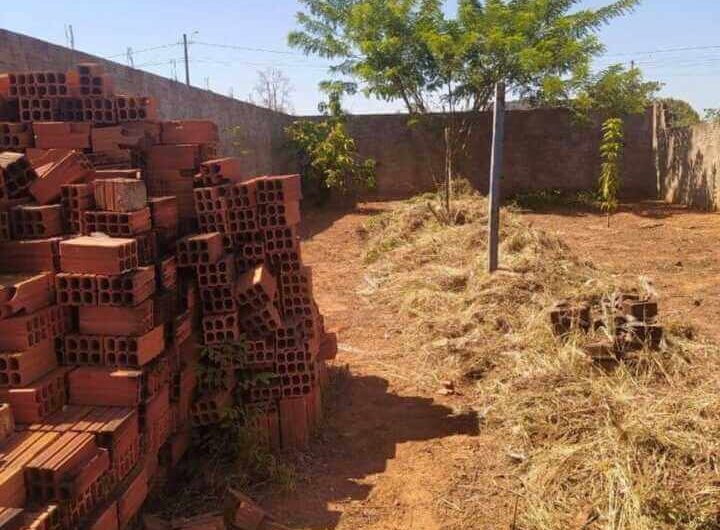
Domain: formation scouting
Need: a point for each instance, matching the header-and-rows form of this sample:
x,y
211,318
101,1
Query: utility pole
x,y
70,39
187,62
495,175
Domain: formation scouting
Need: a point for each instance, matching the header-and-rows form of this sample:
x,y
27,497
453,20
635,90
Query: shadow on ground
x,y
366,424
650,209
317,220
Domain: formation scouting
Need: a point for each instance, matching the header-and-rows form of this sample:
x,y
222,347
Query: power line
x,y
135,52
247,48
231,61
664,50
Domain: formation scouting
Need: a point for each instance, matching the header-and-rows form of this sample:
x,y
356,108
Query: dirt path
x,y
390,449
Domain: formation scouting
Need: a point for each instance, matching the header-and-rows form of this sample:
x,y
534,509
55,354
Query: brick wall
x,y
544,149
262,129
689,160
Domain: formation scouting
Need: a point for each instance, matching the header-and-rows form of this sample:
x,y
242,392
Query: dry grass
x,y
637,447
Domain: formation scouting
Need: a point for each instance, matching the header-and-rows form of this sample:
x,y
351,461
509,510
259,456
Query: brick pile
x,y
253,284
129,253
628,321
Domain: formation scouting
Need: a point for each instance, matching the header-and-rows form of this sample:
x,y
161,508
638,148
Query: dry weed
x,y
633,448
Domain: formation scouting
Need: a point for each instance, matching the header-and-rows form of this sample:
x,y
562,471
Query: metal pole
x,y
187,62
495,175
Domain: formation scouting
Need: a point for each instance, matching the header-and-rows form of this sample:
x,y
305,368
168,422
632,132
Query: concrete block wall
x,y
544,149
688,165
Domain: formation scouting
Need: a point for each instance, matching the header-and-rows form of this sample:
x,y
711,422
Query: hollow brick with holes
x,y
134,352
129,289
37,222
199,249
83,350
221,329
76,289
118,224
279,189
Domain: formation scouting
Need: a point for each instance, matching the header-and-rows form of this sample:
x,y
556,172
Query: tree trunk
x,y
448,173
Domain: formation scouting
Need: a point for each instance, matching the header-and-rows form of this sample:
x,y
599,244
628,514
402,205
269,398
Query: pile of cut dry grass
x,y
637,447
458,317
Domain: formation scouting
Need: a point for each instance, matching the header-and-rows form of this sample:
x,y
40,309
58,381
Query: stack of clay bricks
x,y
82,97
105,297
96,361
255,288
627,322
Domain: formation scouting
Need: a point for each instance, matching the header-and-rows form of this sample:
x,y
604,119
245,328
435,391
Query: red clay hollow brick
x,y
134,352
132,497
279,189
221,329
17,175
24,331
25,293
85,350
284,214
37,222
58,168
98,255
30,256
107,518
229,168
130,321
76,289
328,347
189,132
107,387
129,289
256,288
120,195
118,224
135,108
294,429
168,273
62,135
216,274
38,400
200,249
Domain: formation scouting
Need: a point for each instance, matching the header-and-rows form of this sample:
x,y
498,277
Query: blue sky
x,y
108,27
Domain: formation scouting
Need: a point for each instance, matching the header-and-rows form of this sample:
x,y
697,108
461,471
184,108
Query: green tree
x,y
326,152
611,151
612,95
615,92
681,112
712,115
409,50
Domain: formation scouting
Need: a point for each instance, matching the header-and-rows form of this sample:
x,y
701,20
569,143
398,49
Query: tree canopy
x,y
410,50
615,92
683,114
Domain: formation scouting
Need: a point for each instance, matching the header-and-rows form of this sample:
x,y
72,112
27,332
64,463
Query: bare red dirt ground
x,y
675,247
391,450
